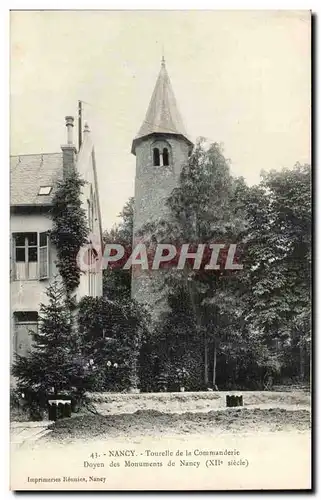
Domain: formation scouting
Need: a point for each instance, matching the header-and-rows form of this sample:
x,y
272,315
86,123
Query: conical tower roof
x,y
163,116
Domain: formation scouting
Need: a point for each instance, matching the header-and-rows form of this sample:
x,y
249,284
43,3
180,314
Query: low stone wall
x,y
182,402
110,397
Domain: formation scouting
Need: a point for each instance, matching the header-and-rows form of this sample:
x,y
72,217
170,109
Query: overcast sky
x,y
240,77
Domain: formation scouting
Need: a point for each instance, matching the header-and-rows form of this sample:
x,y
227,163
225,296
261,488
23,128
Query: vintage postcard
x,y
160,235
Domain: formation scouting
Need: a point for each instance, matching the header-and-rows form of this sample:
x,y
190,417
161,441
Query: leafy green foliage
x,y
177,345
253,323
278,263
117,281
55,364
112,333
279,246
70,229
206,207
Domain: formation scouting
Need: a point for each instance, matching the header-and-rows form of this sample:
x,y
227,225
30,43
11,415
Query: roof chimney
x,y
70,125
69,150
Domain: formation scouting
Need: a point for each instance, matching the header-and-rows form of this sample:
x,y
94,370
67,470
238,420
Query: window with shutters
x,y
30,256
26,323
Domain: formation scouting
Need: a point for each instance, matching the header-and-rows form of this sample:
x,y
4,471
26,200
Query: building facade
x,y
33,256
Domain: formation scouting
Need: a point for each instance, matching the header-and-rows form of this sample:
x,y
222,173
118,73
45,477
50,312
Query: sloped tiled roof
x,y
28,173
162,114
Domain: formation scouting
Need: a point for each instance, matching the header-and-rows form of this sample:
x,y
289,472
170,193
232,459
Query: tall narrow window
x,y
91,227
89,271
43,256
92,215
94,208
88,212
156,157
91,261
165,157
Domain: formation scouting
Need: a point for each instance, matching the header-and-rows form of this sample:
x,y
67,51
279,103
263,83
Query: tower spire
x,y
163,57
163,116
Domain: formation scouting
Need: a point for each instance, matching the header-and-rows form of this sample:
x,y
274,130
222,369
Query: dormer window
x,y
156,157
165,157
44,190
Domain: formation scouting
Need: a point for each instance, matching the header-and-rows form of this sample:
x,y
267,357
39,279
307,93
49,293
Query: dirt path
x,y
154,423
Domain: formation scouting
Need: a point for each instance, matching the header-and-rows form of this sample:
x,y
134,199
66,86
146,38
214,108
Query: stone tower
x,y
161,148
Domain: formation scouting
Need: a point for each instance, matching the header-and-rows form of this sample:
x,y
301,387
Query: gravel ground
x,y
155,423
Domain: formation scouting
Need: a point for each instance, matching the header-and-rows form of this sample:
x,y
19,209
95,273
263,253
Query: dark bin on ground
x,y
59,407
52,411
68,410
232,401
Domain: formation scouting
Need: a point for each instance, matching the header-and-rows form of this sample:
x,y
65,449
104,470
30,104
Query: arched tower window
x,y
161,153
165,157
156,157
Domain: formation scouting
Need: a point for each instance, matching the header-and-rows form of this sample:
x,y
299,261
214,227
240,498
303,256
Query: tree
x,y
131,320
206,207
278,261
117,281
112,332
243,326
174,347
54,364
70,229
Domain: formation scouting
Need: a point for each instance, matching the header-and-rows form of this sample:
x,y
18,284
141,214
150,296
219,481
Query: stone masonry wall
x,y
153,185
